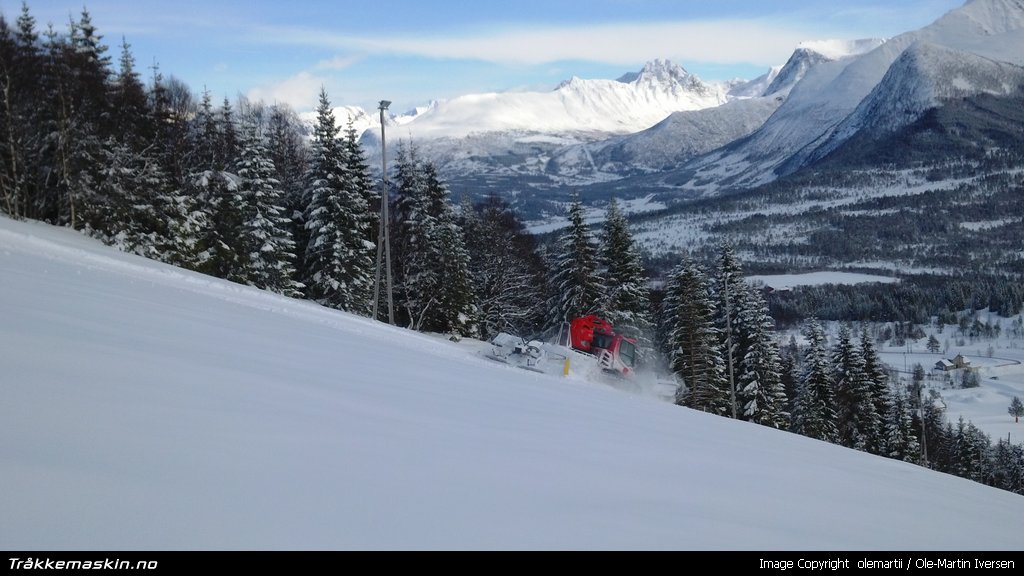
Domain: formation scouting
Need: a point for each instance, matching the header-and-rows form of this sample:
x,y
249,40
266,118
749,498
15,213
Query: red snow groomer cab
x,y
594,335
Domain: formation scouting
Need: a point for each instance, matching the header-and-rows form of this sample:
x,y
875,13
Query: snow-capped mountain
x,y
962,54
630,104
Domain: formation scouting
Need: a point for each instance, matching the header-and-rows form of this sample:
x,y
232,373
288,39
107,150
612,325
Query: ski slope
x,y
149,408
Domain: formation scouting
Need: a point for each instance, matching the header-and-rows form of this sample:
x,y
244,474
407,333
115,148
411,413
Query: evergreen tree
x,y
971,447
361,182
228,147
695,355
1016,409
339,261
129,101
761,392
288,152
900,441
268,252
574,277
1008,466
815,414
627,298
878,384
22,120
859,423
415,275
730,296
433,279
456,310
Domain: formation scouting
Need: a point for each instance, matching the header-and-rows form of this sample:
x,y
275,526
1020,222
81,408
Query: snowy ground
x,y
790,281
146,407
1001,377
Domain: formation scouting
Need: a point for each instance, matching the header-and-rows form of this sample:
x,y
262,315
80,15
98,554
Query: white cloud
x,y
299,91
340,62
718,41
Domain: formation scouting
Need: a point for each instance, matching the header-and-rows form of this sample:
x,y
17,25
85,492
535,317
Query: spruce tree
x,y
361,181
578,288
1016,409
627,298
815,414
416,276
456,312
859,423
287,149
268,252
695,355
433,278
761,393
729,290
900,442
878,385
338,258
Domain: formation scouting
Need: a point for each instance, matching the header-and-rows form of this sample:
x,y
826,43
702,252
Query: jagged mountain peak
x,y
663,72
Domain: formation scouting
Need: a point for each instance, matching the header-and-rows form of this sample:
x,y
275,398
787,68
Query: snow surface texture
x,y
145,407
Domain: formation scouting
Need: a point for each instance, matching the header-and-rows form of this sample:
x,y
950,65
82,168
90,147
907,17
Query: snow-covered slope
x,y
145,407
831,92
678,138
923,77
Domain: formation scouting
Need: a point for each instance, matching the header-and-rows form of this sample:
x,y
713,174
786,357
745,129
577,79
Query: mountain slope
x,y
147,407
822,110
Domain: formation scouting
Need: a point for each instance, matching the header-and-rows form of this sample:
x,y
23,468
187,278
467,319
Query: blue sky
x,y
413,51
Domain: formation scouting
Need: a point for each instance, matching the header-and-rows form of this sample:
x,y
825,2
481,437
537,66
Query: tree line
x,y
718,337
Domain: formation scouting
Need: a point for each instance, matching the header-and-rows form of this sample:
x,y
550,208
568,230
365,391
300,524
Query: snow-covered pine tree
x,y
268,252
729,289
415,276
878,385
859,424
128,100
22,119
228,145
361,182
971,449
141,207
900,441
815,413
288,152
338,258
696,357
627,299
1008,466
208,235
578,288
760,391
457,312
433,282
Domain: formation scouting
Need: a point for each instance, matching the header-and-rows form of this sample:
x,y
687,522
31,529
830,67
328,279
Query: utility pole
x,y
383,235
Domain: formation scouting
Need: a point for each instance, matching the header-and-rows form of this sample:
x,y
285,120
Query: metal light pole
x,y
383,235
